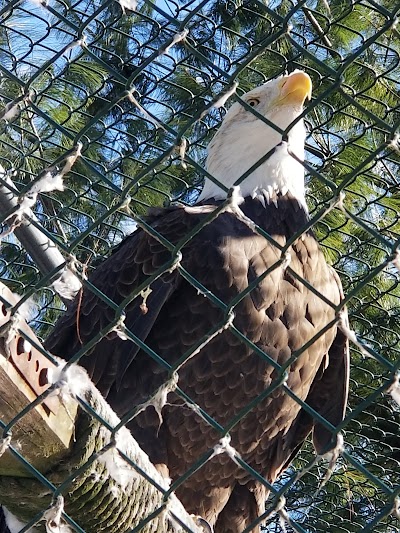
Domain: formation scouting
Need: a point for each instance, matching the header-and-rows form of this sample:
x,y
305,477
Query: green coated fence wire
x,y
134,91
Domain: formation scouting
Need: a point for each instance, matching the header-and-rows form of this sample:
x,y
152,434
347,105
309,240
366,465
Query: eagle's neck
x,y
284,216
231,156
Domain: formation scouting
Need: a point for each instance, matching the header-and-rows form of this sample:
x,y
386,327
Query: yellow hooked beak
x,y
296,88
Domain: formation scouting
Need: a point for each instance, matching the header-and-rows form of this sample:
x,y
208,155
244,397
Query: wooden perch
x,y
44,433
75,451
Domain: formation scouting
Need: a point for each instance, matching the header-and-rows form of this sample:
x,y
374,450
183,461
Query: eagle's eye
x,y
253,102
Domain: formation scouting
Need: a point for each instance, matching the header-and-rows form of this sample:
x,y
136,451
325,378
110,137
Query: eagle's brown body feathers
x,y
279,315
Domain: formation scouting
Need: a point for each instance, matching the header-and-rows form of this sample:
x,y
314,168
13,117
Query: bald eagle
x,y
280,307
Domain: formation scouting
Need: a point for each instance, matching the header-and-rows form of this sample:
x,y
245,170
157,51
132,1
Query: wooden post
x,y
100,473
43,434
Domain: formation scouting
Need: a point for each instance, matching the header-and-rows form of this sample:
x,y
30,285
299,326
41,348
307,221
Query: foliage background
x,y
67,70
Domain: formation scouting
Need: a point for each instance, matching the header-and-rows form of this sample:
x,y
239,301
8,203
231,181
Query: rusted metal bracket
x,y
43,433
30,363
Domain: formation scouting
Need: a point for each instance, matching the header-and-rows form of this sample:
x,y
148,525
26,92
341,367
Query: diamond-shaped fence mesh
x,y
106,110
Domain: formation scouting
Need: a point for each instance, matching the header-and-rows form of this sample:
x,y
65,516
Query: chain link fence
x,y
106,110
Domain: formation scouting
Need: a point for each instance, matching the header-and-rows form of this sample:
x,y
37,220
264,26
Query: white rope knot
x,y
145,293
283,514
11,329
224,446
5,444
159,399
332,456
281,511
221,101
396,508
234,199
178,37
120,328
52,516
182,152
396,259
286,260
394,389
338,201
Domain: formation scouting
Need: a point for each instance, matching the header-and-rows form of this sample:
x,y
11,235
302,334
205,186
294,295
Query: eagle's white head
x,y
243,139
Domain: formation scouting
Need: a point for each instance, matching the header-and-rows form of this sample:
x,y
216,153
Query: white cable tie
x,y
79,42
70,160
283,514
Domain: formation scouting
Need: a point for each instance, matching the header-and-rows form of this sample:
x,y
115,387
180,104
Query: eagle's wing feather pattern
x,y
328,397
279,315
329,394
133,261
